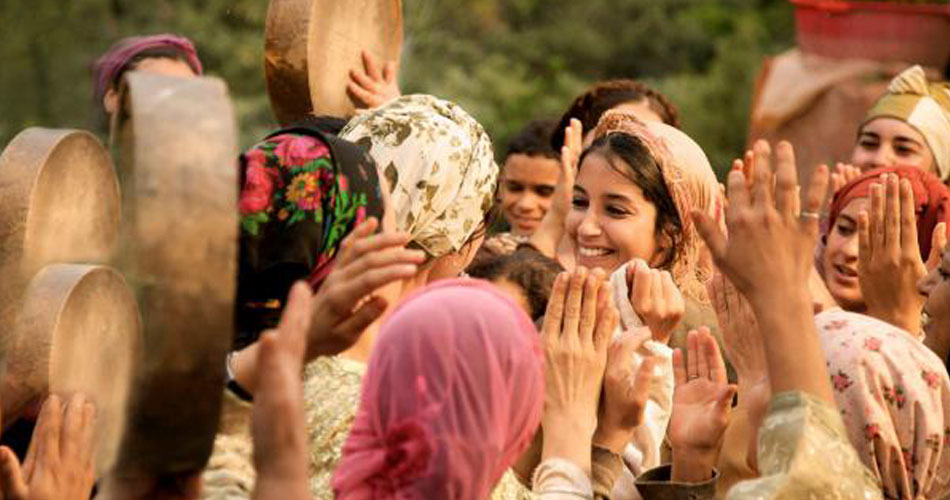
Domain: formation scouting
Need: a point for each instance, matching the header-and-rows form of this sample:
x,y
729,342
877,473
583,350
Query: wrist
x,y
693,465
612,437
569,438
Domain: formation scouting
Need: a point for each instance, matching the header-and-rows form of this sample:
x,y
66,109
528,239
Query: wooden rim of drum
x,y
79,331
178,250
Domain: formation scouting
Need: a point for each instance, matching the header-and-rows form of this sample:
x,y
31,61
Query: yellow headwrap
x,y
924,106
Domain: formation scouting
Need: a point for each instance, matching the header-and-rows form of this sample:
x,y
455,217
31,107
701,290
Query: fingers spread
x,y
680,372
814,198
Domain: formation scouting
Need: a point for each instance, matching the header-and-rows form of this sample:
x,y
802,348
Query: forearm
x,y
546,238
788,326
244,366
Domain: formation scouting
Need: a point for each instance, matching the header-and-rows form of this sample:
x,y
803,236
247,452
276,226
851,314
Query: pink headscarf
x,y
112,62
453,394
894,397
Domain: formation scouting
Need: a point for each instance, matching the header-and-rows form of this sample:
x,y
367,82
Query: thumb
x,y
711,234
725,396
11,477
938,243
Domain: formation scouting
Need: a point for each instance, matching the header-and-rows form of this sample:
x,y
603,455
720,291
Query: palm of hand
x,y
697,423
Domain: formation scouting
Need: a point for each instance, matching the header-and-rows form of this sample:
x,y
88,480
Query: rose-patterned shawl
x,y
302,193
440,166
894,397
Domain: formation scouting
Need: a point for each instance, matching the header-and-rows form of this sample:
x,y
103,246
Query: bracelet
x,y
233,384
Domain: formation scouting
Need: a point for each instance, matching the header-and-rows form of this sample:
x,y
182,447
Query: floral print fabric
x,y
440,167
894,397
299,200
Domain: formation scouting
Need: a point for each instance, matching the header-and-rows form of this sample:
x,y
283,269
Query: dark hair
x,y
604,96
164,52
641,168
534,140
526,267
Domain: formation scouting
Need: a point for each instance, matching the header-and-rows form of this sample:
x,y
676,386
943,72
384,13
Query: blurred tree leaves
x,y
506,61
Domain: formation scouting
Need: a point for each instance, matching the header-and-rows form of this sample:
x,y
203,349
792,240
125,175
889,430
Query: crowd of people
x,y
637,330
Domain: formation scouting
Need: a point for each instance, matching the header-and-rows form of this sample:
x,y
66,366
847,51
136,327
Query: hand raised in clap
x,y
702,402
60,463
889,262
769,257
575,334
626,391
344,306
656,299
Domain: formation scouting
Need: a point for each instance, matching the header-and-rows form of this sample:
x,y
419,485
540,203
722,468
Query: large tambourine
x,y
178,251
311,46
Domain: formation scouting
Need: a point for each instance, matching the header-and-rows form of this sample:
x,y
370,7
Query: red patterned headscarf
x,y
302,192
108,67
931,200
452,396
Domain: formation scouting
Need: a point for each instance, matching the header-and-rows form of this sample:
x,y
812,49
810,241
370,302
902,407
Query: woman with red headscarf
x,y
896,217
166,54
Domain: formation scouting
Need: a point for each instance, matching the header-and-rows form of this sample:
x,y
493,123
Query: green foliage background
x,y
506,61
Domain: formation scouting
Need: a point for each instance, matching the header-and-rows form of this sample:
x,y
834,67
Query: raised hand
x,y
742,341
344,305
626,391
771,241
575,334
59,464
372,85
280,439
842,175
656,299
889,263
702,402
769,257
549,233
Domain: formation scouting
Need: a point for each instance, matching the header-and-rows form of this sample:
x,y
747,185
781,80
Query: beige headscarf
x,y
440,167
691,183
924,106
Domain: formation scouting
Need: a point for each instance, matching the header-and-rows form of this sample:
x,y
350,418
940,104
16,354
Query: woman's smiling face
x,y
610,221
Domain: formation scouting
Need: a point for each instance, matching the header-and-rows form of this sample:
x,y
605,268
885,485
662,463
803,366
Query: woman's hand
x,y
842,175
769,257
280,439
741,339
60,462
551,229
626,391
655,299
702,402
372,86
889,263
344,306
576,332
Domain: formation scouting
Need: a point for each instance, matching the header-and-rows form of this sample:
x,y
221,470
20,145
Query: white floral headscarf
x,y
440,167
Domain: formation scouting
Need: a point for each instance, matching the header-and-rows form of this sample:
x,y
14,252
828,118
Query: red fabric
x,y
931,200
109,65
453,394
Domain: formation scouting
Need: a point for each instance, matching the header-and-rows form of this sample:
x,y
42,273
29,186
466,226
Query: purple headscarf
x,y
112,62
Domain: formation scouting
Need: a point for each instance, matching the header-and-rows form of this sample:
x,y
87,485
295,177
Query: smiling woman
x,y
635,187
